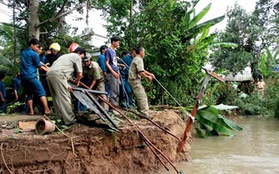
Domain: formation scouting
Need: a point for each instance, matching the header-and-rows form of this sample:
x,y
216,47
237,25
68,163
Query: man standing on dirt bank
x,y
3,93
136,72
126,97
57,78
29,63
112,74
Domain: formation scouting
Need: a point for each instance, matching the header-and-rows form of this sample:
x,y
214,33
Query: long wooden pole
x,y
190,120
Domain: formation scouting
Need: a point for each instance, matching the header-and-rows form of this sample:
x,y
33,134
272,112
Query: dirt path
x,y
4,118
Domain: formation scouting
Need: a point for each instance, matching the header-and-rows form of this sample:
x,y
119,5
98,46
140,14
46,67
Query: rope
x,y
187,113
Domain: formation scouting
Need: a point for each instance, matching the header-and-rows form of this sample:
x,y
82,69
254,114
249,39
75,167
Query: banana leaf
x,y
197,29
212,114
5,61
195,2
206,41
225,107
225,44
230,124
199,16
263,66
204,34
202,130
209,119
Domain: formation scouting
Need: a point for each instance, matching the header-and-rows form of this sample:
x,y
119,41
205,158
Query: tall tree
x,y
235,59
45,17
44,20
252,33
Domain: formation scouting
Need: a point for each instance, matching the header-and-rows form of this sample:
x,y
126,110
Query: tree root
x,y
2,155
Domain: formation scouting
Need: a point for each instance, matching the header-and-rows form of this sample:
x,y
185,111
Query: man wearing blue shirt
x,y
101,59
16,85
112,74
3,93
126,94
102,63
29,63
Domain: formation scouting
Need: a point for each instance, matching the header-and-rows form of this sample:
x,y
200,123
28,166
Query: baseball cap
x,y
86,58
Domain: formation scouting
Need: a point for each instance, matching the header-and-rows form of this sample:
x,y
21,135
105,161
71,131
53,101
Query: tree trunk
x,y
34,30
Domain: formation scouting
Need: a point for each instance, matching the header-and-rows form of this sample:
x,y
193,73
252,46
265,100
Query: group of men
x,y
57,75
59,69
124,76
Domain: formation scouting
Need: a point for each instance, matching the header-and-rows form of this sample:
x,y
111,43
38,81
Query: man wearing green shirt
x,y
136,72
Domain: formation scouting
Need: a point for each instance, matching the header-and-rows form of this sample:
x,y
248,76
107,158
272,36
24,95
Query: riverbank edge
x,y
81,149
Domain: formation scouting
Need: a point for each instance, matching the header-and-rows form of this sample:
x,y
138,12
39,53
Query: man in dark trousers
x,y
3,93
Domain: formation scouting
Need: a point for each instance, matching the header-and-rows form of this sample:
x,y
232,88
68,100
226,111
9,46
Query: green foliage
x,y
252,33
10,52
212,93
51,23
176,45
271,97
210,122
14,108
255,104
268,62
226,94
249,105
276,111
7,69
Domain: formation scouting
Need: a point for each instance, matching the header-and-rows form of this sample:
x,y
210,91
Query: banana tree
x,y
269,63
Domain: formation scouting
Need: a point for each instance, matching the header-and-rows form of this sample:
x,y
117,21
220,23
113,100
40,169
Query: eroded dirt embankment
x,y
91,150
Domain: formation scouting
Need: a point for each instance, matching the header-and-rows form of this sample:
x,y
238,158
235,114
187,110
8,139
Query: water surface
x,y
255,150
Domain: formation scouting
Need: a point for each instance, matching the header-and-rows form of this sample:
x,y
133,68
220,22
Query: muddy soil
x,y
82,149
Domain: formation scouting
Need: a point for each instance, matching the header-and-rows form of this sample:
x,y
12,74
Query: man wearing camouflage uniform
x,y
136,72
94,77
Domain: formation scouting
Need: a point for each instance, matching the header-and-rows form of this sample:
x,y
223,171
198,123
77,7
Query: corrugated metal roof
x,y
244,75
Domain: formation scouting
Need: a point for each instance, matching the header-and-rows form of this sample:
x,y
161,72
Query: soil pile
x,y
81,149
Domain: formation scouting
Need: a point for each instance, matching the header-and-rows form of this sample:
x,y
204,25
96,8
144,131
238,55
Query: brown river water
x,y
254,150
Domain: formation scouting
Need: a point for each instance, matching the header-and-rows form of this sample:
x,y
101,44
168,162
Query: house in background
x,y
244,79
245,75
